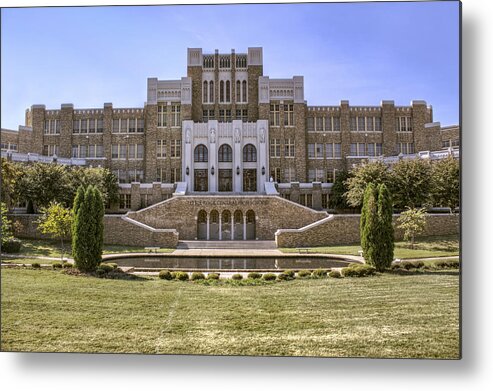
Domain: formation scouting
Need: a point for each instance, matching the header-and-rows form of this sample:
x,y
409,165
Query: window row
x,y
275,147
129,176
174,175
403,124
366,149
332,151
289,174
87,151
366,124
275,112
450,143
88,126
405,148
130,151
51,150
52,126
162,148
128,125
323,124
8,147
225,153
163,119
322,175
224,115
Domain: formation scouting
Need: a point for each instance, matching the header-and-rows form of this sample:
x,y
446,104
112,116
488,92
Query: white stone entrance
x,y
226,225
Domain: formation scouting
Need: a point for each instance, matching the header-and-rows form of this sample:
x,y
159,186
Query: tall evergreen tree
x,y
368,202
385,231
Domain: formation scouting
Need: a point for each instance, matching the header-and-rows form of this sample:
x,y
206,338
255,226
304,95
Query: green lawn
x,y
436,246
382,316
49,248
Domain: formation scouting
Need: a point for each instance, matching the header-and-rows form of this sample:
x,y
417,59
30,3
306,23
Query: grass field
x,y
435,246
382,316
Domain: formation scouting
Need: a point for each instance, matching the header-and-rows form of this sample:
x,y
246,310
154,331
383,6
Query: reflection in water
x,y
230,263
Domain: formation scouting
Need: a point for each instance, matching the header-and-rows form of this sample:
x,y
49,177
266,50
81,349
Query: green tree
x,y
412,222
87,229
339,188
374,172
377,236
6,228
446,183
411,183
11,175
56,221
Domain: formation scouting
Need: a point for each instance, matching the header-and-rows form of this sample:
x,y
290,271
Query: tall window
x,y
242,114
161,116
132,122
289,147
315,151
175,115
331,175
289,115
275,147
100,126
124,125
125,201
405,148
175,175
244,91
50,150
205,91
238,91
221,91
249,153
319,124
207,115
200,154
211,92
289,174
224,115
92,126
175,148
358,149
76,127
274,115
140,125
136,151
275,173
225,153
118,151
310,124
228,91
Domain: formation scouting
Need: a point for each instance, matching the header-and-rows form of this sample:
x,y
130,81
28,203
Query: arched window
x,y
221,91
211,92
238,91
200,154
249,153
204,92
228,91
202,217
250,216
214,217
225,153
226,217
238,217
244,91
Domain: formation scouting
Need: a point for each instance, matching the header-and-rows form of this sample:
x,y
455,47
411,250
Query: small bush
x,y
358,270
106,268
319,273
290,273
335,274
213,276
304,273
181,276
269,277
165,275
284,276
11,245
197,276
237,277
56,265
111,264
411,265
35,265
447,264
101,271
254,275
67,265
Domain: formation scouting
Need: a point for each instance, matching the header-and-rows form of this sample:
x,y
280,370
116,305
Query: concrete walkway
x,y
217,252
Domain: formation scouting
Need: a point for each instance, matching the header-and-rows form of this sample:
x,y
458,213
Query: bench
x,y
152,249
303,250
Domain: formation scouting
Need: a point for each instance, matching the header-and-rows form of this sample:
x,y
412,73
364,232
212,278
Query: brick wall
x,y
344,229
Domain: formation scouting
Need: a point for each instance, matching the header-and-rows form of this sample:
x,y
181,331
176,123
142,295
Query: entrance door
x,y
200,180
250,225
250,180
214,225
238,221
202,225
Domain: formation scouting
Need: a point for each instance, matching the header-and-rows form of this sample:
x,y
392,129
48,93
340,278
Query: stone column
x,y
237,155
135,195
220,226
244,227
317,196
207,236
232,226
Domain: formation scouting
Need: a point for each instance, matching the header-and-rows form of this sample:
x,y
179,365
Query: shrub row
x,y
358,270
11,245
440,264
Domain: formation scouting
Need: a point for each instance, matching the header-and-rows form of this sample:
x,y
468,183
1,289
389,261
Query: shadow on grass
x,y
443,272
112,275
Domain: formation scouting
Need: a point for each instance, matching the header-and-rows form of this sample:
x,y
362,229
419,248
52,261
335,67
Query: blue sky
x,y
362,52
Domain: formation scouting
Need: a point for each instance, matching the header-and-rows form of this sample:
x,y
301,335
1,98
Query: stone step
x,y
227,244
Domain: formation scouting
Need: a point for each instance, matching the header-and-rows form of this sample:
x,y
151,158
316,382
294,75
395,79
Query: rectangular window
x,y
306,200
161,149
119,151
289,115
361,124
289,174
370,149
325,200
50,150
242,114
354,126
331,175
132,125
92,126
208,115
404,124
275,147
99,151
175,115
405,148
140,125
76,128
333,150
175,175
116,126
310,124
161,175
125,201
275,174
311,175
175,148
289,148
274,115
52,126
336,124
162,116
311,151
224,115
83,125
378,124
124,125
319,124
378,149
100,126
92,151
370,124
